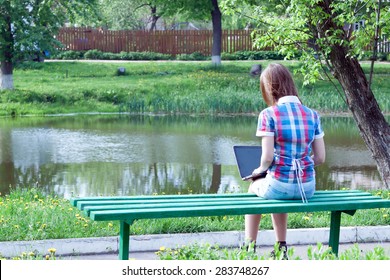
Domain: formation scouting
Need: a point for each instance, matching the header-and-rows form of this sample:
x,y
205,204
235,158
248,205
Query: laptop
x,y
248,159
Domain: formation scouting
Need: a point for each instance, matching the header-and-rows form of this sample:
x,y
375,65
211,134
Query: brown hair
x,y
275,82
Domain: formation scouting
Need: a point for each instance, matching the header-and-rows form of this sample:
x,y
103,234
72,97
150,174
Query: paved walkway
x,y
144,247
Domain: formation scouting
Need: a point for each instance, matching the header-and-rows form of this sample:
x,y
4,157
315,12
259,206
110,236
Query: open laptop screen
x,y
248,159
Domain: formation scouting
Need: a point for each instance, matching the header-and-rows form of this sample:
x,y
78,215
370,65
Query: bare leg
x,y
251,227
251,224
279,222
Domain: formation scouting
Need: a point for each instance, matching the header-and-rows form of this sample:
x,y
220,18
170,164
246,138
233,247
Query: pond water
x,y
144,154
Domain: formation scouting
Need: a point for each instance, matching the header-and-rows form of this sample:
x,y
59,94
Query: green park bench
x,y
127,209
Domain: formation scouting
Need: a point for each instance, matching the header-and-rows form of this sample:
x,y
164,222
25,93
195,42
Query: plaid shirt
x,y
294,128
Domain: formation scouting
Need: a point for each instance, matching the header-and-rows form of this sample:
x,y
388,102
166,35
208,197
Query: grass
x,y
214,252
28,214
159,87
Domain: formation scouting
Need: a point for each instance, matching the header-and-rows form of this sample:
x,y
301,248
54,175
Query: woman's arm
x,y
318,148
267,156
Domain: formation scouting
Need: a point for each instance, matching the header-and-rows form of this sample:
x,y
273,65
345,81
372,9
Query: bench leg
x,y
124,240
334,235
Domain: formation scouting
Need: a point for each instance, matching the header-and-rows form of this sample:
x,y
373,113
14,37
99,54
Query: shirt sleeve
x,y
265,124
318,133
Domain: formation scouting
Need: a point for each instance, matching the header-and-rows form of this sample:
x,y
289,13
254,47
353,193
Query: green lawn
x,y
159,87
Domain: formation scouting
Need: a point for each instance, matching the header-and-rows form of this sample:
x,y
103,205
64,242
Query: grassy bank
x,y
31,215
159,87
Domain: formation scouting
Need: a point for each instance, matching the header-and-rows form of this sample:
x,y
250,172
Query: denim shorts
x,y
269,188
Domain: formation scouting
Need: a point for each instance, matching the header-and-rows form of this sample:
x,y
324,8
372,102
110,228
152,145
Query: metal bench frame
x,y
127,209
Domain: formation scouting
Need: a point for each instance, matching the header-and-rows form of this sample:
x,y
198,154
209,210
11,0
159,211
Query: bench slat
x,y
81,204
220,202
118,199
133,214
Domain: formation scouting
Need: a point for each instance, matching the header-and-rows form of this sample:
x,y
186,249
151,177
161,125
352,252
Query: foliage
x,y
27,27
120,14
99,55
159,86
297,29
214,252
193,56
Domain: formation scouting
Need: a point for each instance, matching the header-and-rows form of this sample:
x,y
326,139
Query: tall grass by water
x,y
160,87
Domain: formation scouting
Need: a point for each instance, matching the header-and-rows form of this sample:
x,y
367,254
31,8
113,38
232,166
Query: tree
x,y
334,50
201,9
127,14
27,27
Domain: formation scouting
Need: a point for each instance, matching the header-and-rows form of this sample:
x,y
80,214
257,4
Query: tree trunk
x,y
217,33
6,54
6,75
155,17
372,124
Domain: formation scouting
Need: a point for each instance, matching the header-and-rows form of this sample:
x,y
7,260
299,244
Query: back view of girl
x,y
292,144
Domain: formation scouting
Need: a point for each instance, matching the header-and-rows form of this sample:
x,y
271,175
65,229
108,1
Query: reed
x,y
160,87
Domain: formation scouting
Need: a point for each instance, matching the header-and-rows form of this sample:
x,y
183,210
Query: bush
x,y
68,55
94,54
193,56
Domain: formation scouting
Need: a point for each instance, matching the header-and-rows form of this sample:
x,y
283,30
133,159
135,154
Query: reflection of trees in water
x,y
197,147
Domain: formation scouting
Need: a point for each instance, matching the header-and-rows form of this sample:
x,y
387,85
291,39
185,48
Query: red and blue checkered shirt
x,y
294,128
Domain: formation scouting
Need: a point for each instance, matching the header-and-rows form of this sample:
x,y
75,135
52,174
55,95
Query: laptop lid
x,y
248,159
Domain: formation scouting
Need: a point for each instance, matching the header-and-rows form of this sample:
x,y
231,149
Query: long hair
x,y
275,82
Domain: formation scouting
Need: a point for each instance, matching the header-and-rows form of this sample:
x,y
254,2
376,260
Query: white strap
x,y
299,173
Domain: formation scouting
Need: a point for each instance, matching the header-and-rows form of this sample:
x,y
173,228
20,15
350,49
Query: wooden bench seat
x,y
127,209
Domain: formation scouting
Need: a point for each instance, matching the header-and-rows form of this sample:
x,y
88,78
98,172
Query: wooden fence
x,y
169,41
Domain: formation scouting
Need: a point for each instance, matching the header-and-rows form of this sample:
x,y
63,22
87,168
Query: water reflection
x,y
129,155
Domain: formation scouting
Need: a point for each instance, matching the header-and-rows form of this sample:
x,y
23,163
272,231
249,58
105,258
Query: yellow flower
x,y
162,248
52,250
306,218
31,254
110,225
385,216
47,257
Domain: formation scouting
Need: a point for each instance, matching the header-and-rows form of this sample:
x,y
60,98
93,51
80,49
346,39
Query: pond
x,y
150,154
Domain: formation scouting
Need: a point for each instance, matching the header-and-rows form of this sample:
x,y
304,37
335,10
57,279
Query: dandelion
x,y
31,254
306,218
52,250
385,215
16,226
47,257
162,248
110,225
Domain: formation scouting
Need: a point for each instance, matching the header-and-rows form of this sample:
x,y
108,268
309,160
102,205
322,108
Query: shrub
x,y
93,54
193,56
68,55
